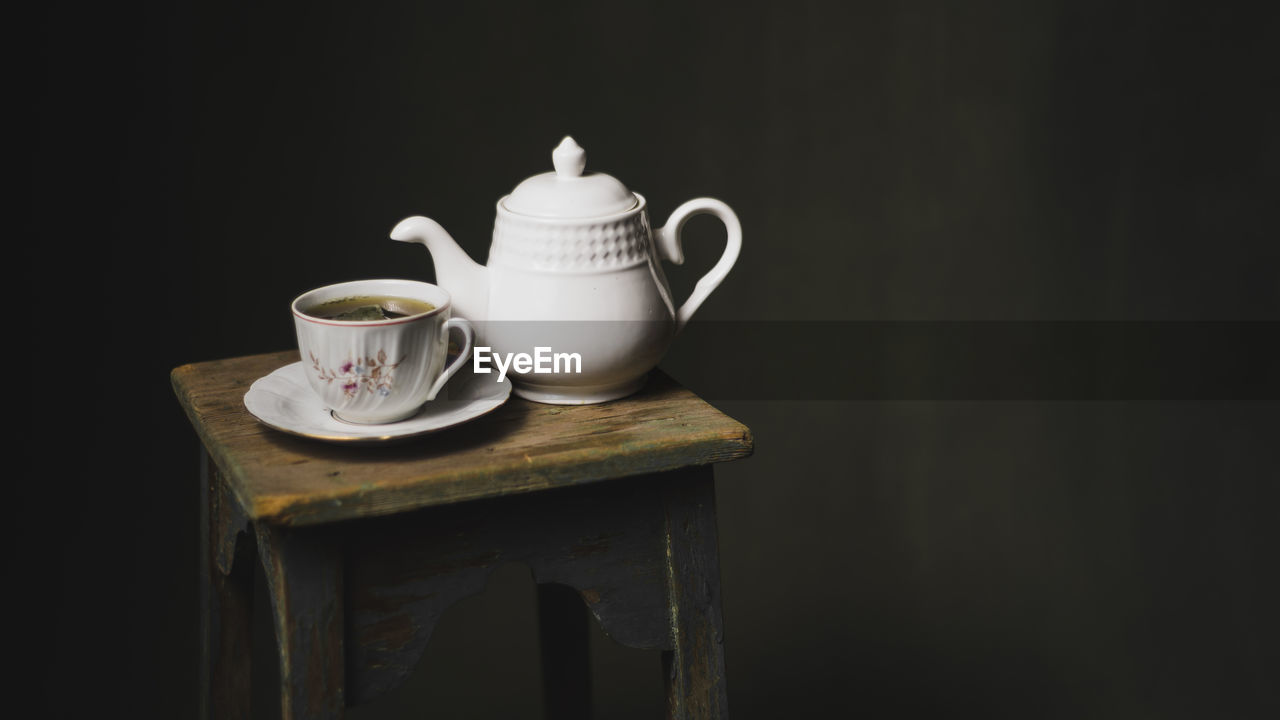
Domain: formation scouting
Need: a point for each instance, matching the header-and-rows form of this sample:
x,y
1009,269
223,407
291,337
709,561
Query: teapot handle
x,y
667,240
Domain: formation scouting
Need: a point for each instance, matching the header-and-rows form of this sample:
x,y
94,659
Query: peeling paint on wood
x,y
226,599
637,553
445,554
695,665
304,573
519,448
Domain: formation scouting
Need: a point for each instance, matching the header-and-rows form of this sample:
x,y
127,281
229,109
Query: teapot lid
x,y
567,192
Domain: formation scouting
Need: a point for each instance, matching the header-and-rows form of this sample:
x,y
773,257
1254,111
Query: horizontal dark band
x,y
1066,361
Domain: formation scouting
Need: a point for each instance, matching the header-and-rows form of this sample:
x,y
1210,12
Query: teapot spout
x,y
466,281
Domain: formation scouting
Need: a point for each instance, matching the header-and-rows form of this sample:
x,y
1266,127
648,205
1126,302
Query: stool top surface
x,y
521,447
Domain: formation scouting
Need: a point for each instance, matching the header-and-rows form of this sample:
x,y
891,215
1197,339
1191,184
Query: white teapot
x,y
574,274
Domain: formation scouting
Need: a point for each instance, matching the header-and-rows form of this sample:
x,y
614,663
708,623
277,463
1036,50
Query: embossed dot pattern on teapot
x,y
576,265
607,245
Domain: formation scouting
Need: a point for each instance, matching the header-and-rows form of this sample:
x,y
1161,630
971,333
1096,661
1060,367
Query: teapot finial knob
x,y
569,158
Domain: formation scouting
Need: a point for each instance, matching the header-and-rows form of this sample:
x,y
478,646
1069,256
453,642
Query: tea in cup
x,y
375,350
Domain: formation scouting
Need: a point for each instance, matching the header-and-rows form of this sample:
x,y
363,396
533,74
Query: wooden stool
x,y
363,547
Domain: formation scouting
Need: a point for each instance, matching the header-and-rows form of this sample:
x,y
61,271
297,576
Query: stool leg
x,y
304,575
226,597
695,667
566,660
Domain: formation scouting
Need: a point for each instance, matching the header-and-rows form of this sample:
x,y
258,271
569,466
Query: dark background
x,y
192,166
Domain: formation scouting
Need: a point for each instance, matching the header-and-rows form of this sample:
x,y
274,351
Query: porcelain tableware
x,y
284,400
575,268
379,371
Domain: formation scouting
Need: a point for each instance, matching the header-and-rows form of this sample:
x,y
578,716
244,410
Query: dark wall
x,y
194,166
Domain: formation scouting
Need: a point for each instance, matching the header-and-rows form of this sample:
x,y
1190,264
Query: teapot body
x,y
587,296
573,305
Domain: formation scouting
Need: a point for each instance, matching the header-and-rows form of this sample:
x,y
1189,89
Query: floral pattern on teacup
x,y
374,374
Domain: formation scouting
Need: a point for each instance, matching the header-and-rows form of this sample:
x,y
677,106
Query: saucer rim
x,y
363,439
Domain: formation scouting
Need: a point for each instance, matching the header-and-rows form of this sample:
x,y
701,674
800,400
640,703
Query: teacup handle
x,y
468,335
667,240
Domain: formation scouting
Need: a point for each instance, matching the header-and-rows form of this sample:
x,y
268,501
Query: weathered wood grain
x,y
226,597
519,448
229,525
695,665
304,574
603,540
364,547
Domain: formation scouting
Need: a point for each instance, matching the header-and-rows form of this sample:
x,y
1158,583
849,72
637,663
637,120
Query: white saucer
x,y
283,400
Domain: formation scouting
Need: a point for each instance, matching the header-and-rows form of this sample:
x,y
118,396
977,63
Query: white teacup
x,y
379,371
